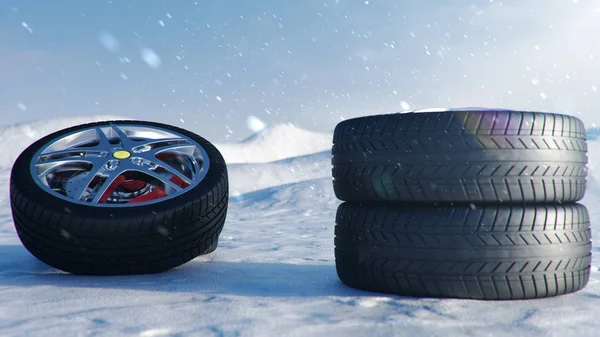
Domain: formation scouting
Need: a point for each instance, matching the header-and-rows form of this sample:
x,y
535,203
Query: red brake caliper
x,y
155,194
136,185
133,185
111,188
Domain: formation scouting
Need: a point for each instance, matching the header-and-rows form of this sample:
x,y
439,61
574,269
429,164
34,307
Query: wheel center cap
x,y
122,154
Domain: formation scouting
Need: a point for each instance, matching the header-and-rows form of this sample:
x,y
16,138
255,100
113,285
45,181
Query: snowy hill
x,y
302,197
272,144
275,143
255,163
255,176
15,138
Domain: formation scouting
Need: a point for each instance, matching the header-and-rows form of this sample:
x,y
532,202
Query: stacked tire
x,y
466,203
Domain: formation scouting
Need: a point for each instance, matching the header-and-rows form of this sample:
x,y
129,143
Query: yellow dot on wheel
x,y
121,154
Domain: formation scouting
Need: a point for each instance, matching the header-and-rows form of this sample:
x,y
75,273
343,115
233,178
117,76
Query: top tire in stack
x,y
464,203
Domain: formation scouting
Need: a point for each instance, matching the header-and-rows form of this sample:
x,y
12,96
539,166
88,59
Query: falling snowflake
x,y
22,106
150,58
26,26
404,105
109,42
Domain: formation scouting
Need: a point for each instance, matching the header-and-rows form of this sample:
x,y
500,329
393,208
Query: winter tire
x,y
461,155
487,253
119,197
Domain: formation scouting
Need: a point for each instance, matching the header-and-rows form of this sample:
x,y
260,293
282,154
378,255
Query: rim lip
x,y
50,139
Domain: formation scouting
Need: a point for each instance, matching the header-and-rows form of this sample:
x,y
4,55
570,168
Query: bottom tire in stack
x,y
486,252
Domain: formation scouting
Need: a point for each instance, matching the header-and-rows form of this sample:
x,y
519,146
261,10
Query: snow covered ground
x,y
272,275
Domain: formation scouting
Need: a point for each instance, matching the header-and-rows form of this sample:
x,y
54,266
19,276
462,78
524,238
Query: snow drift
x,y
255,176
302,198
275,156
16,138
272,144
275,143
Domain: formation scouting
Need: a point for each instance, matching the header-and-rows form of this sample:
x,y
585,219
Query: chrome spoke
x,y
72,153
103,141
186,150
182,150
153,145
111,176
167,183
79,186
83,166
125,140
48,166
66,157
172,170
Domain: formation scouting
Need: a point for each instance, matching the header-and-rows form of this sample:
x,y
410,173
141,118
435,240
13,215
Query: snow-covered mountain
x,y
275,143
249,177
15,138
275,156
271,144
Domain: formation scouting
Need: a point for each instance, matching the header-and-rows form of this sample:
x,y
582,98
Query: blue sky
x,y
308,62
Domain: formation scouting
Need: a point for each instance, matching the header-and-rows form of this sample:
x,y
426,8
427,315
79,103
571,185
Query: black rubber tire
x,y
141,239
488,253
496,156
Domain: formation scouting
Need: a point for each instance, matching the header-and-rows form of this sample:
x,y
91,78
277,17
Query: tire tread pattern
x,y
444,252
132,245
421,157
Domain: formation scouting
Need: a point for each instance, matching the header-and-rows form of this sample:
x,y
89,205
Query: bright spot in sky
x,y
109,42
255,124
151,58
26,26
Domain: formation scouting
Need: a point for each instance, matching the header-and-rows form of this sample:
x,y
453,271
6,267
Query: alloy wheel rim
x,y
119,165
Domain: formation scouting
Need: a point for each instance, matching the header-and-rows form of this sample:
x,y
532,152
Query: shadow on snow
x,y
18,268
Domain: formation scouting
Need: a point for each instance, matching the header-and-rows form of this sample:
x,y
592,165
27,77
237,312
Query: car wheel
x,y
119,197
